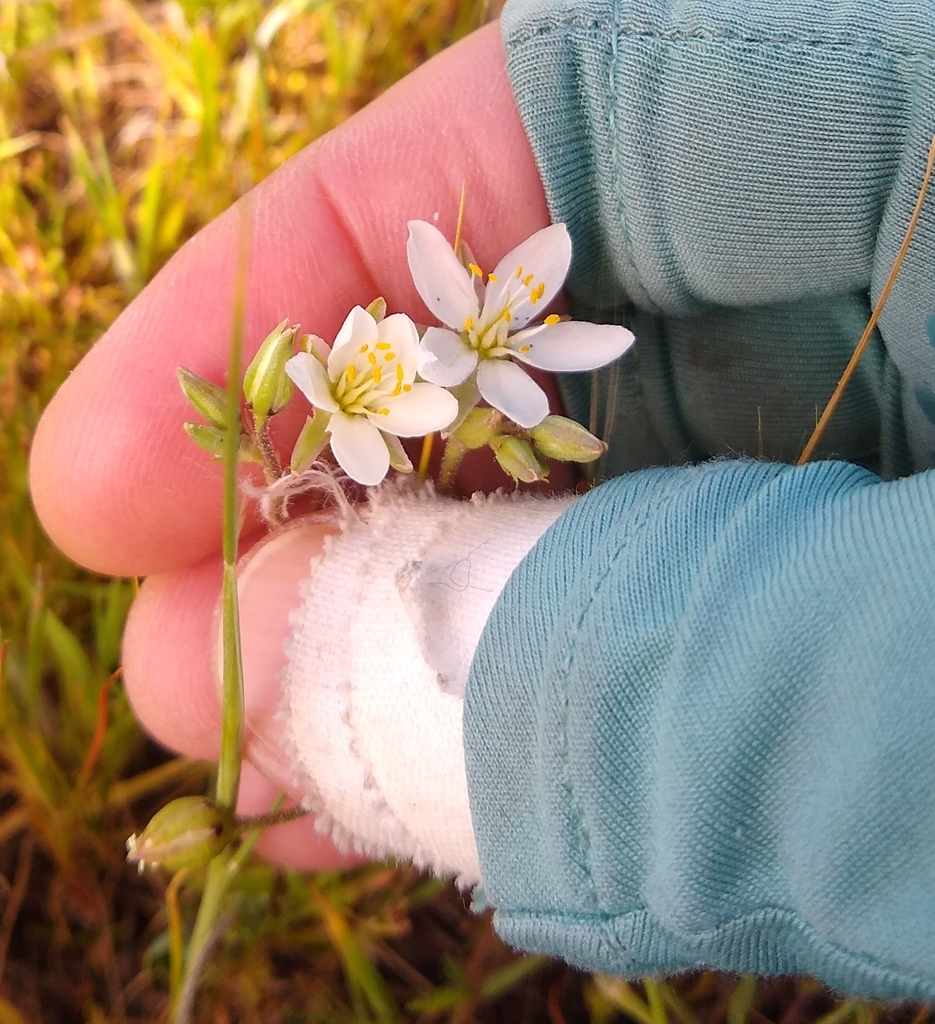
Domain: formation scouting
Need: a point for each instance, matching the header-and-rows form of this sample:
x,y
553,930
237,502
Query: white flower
x,y
488,325
365,385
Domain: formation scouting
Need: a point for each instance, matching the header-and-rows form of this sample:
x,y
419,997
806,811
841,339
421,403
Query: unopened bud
x,y
377,308
558,437
479,427
266,387
517,458
211,439
208,399
186,833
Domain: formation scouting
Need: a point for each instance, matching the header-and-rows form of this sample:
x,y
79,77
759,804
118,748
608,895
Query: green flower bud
x,y
208,399
211,439
266,387
517,459
377,308
479,427
558,437
186,833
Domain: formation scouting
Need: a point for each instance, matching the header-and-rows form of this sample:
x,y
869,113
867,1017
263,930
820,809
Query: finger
x,y
116,482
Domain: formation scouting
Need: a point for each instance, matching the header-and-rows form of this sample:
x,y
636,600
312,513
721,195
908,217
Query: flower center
x,y
374,375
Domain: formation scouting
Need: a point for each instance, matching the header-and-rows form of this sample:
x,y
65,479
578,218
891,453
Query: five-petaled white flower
x,y
488,326
366,386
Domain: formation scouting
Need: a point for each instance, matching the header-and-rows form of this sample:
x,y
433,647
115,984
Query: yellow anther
x,y
407,387
507,315
519,273
536,294
524,348
552,318
469,323
377,375
475,270
492,277
390,356
527,280
399,371
372,359
398,388
363,349
383,412
350,373
383,345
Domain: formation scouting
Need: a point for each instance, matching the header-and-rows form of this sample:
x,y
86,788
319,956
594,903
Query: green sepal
x,y
377,308
211,439
478,428
399,460
310,441
207,399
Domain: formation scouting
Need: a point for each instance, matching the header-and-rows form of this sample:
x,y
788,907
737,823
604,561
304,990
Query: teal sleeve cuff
x,y
699,725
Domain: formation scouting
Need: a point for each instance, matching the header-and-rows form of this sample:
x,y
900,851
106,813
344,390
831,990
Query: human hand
x,y
120,487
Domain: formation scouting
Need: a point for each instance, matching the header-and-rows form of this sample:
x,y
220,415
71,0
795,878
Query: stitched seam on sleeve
x,y
576,808
779,40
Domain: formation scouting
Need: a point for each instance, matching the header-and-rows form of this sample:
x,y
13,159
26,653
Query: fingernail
x,y
269,582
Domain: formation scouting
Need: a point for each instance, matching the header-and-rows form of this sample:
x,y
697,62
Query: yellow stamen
x,y
351,373
507,315
390,356
552,318
397,389
399,371
383,345
383,412
372,359
475,270
492,277
527,280
524,348
407,387
377,375
363,349
519,273
469,323
536,294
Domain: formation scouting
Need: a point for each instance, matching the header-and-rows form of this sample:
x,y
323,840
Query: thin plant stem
x,y
835,398
218,877
428,443
232,699
174,928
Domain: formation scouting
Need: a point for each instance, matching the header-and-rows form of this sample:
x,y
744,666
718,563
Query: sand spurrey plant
x,y
382,379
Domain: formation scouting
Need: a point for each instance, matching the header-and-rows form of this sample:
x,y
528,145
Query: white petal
x,y
358,329
400,332
309,376
546,256
571,345
508,388
359,448
446,287
444,358
422,410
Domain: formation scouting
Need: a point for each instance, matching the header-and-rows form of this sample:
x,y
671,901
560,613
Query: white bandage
x,y
378,659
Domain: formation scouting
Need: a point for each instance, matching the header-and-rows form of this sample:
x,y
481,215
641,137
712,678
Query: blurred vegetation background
x,y
124,127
